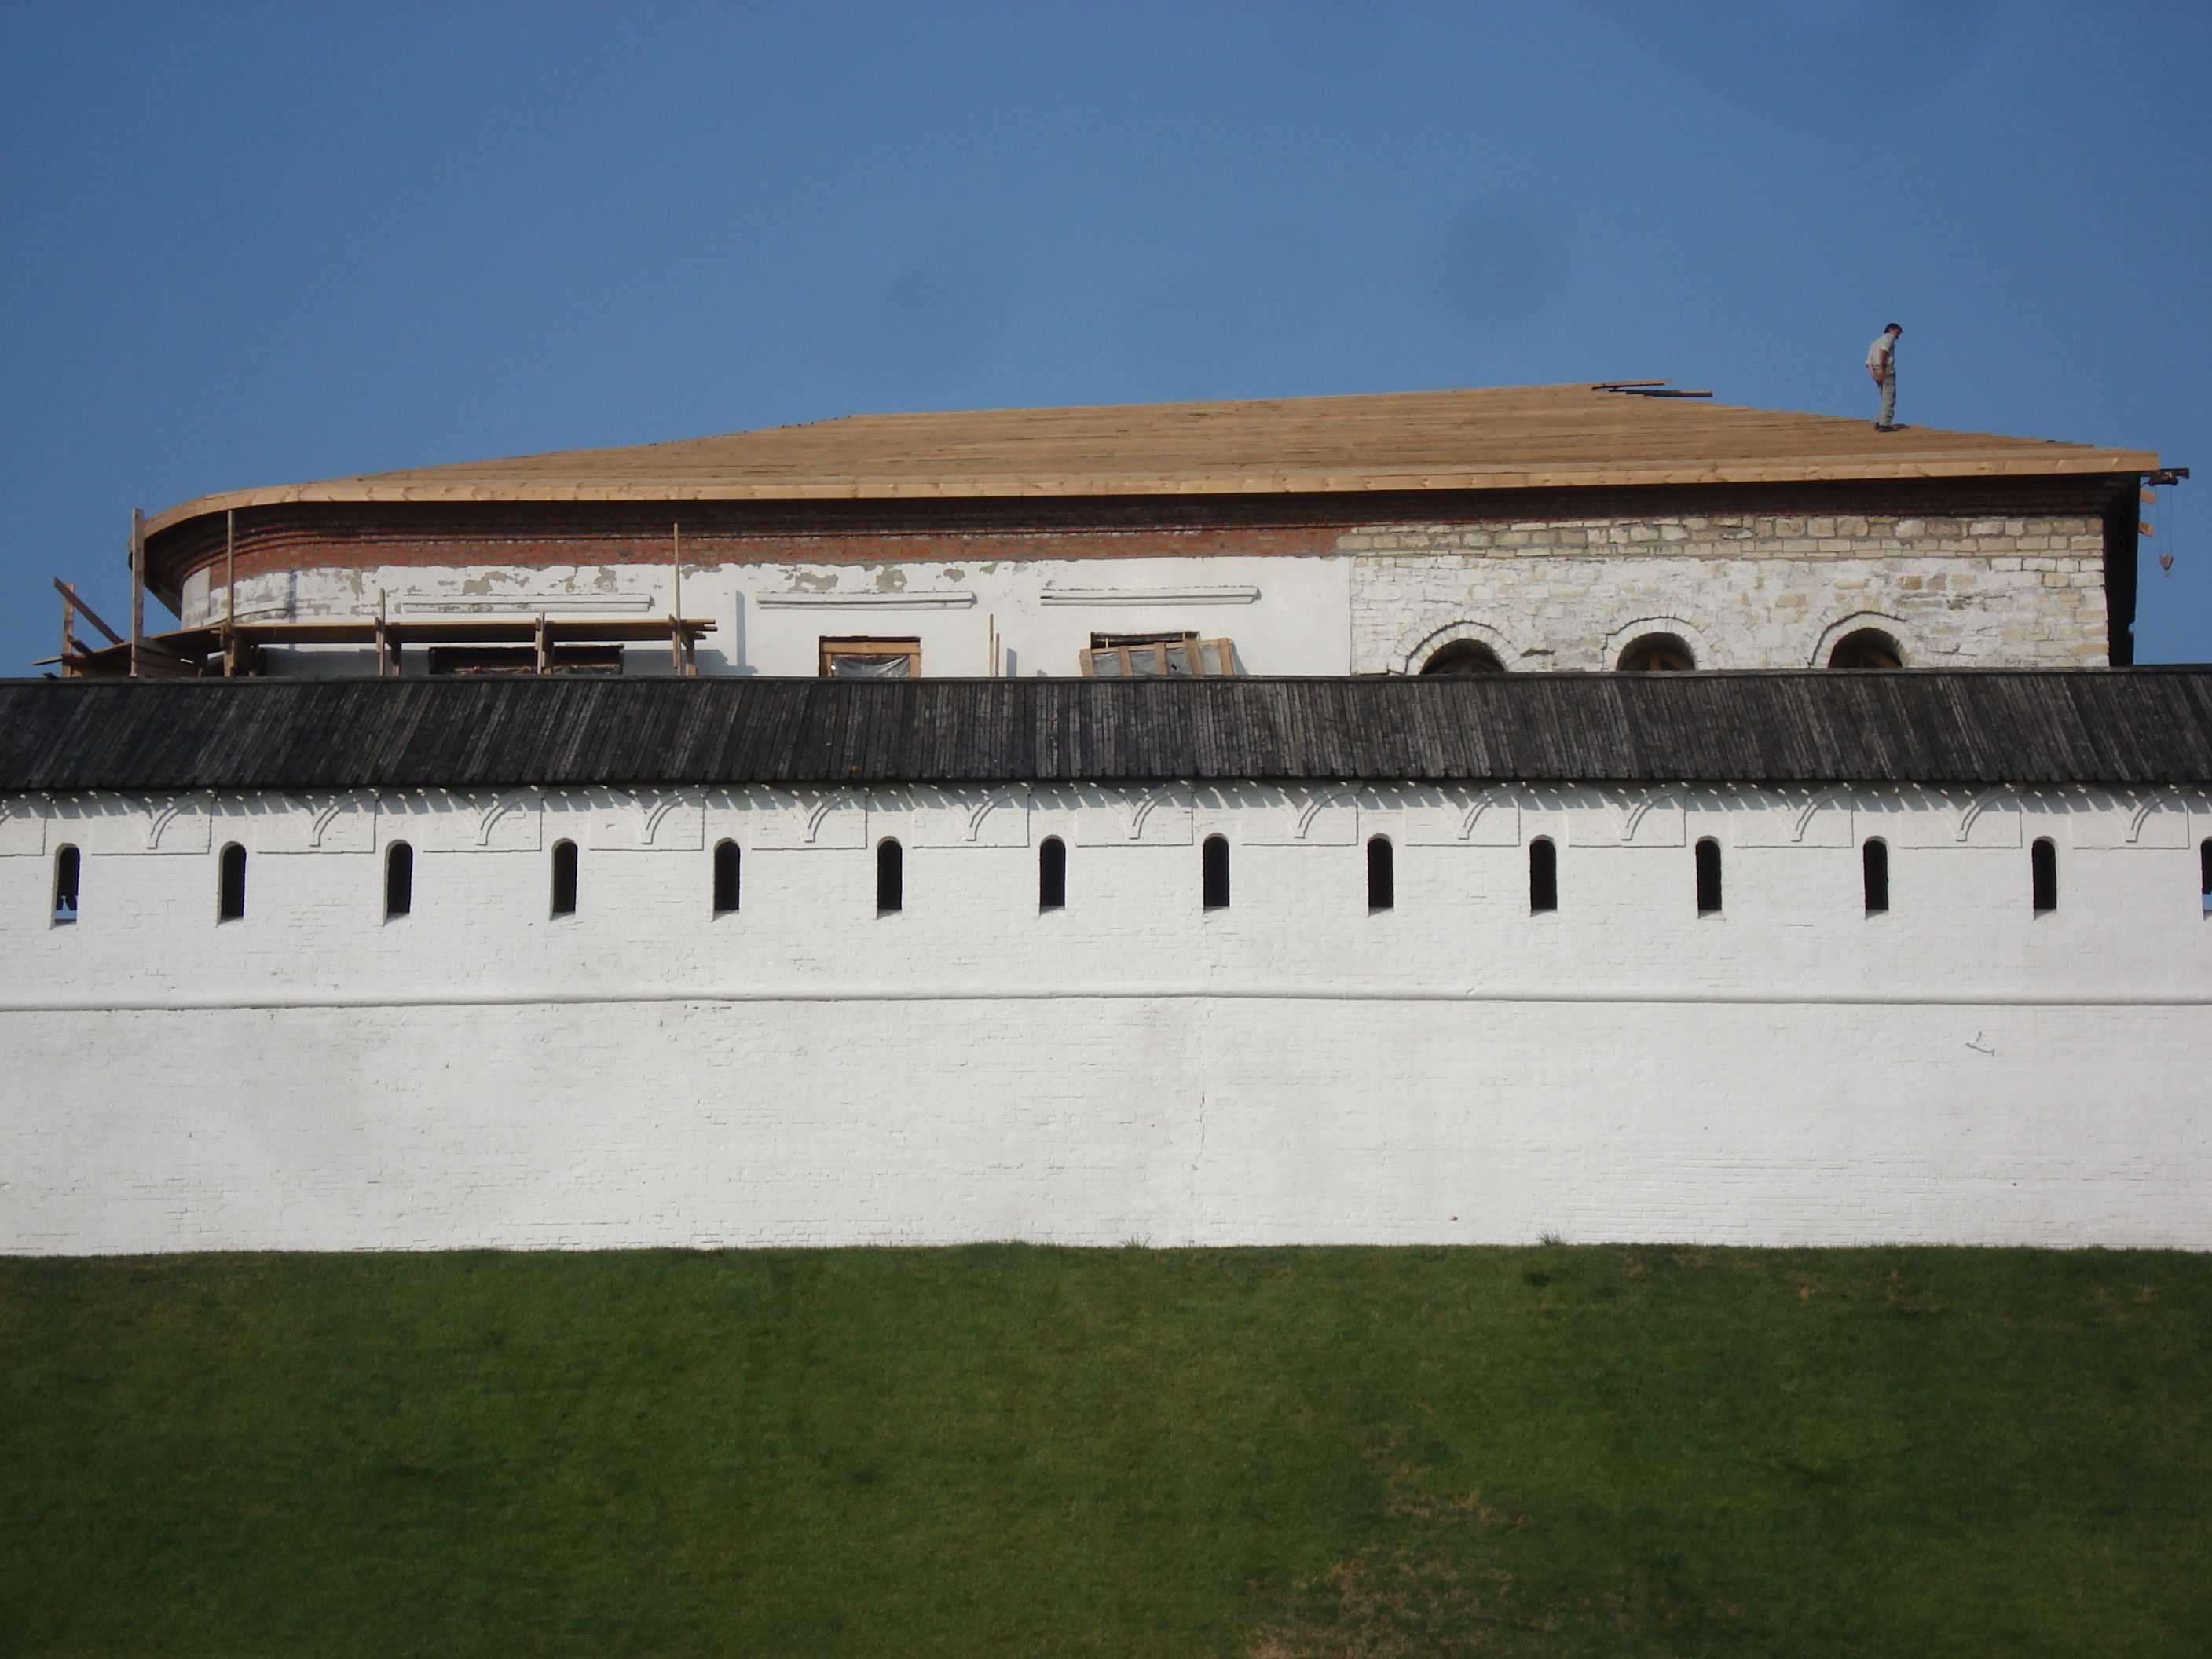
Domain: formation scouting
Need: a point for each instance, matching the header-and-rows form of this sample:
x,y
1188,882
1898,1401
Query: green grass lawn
x,y
1014,1450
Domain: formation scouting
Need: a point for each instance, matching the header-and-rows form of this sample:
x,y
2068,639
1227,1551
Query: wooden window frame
x,y
1202,659
1638,656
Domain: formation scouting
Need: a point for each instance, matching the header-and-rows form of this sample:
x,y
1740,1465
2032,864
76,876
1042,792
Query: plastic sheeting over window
x,y
871,660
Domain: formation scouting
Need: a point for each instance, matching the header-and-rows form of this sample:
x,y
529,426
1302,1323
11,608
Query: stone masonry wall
x,y
1748,592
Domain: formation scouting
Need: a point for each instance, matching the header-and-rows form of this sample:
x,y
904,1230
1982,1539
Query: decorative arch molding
x,y
1343,794
1633,813
519,800
1835,795
160,815
1496,799
649,810
1416,646
1135,811
819,810
1662,809
2148,805
1997,799
973,828
323,811
1702,648
1910,652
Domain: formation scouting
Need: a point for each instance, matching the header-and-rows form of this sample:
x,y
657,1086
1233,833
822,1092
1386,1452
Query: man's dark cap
x,y
1895,328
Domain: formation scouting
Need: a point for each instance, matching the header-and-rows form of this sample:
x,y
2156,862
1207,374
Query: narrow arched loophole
x,y
1543,875
69,870
1052,873
1709,876
891,877
398,880
564,878
1873,875
726,877
1213,872
1382,874
230,885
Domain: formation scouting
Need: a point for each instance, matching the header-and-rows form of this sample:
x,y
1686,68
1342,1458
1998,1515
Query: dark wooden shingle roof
x,y
2142,726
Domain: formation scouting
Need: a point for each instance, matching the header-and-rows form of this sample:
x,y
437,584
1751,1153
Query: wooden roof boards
x,y
2139,727
1500,438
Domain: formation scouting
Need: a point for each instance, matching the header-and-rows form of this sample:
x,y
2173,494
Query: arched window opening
x,y
1462,658
1866,647
1382,874
2204,872
398,879
2043,873
1543,874
891,877
1657,653
1213,870
1709,876
1874,872
69,865
230,887
67,868
564,877
1052,874
726,877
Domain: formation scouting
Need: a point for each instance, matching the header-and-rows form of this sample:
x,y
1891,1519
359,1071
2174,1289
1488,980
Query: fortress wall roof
x,y
2133,726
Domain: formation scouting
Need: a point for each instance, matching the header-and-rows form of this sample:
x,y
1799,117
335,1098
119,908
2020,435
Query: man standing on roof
x,y
1882,363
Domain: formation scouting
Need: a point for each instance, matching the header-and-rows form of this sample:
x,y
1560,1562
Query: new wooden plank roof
x,y
1501,438
2127,727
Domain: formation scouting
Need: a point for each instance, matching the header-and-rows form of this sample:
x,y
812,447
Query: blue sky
x,y
244,245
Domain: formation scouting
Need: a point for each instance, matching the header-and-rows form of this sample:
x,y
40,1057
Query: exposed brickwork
x,y
1744,592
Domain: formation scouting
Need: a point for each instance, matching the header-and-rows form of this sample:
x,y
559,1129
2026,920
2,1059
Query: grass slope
x,y
1008,1451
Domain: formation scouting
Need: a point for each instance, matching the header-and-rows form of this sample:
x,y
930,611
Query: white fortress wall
x,y
1294,1067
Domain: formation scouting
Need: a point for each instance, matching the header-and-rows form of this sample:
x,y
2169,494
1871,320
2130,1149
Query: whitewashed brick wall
x,y
1294,1067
